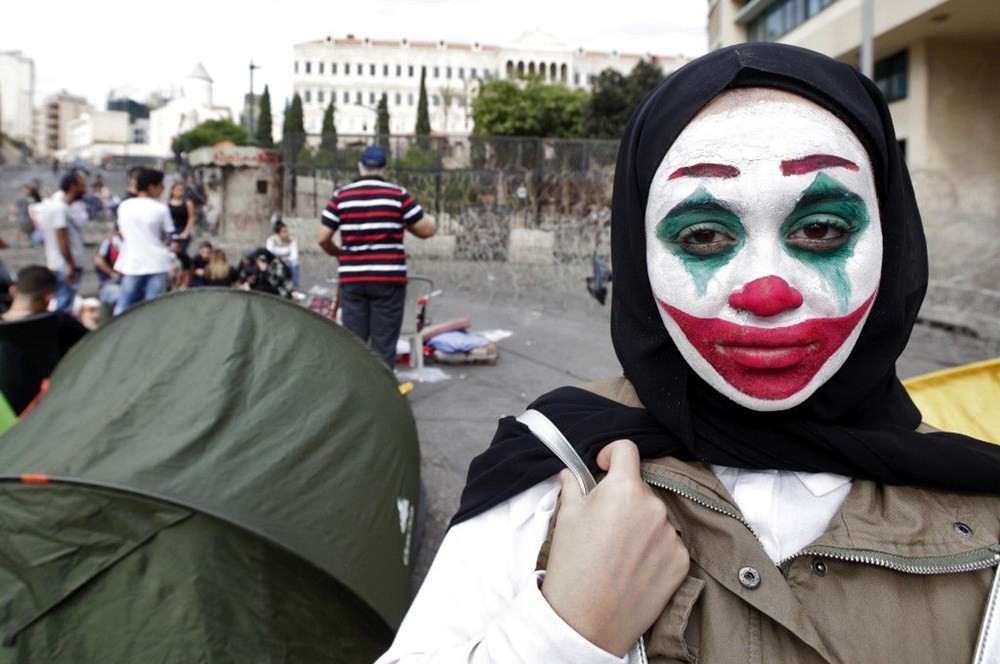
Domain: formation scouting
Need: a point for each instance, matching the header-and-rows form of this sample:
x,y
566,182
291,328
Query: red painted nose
x,y
767,296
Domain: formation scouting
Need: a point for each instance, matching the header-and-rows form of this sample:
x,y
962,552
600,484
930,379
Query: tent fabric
x,y
962,399
248,409
198,590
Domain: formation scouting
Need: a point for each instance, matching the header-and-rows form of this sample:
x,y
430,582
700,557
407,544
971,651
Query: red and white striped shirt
x,y
372,215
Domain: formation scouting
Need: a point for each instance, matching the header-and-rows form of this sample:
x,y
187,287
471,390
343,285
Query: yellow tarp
x,y
965,399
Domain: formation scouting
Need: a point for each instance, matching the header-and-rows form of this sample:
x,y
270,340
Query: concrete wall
x,y
963,128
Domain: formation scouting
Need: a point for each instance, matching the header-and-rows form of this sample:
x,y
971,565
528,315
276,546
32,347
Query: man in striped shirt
x,y
371,214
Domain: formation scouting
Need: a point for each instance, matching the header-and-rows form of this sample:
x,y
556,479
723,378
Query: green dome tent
x,y
215,476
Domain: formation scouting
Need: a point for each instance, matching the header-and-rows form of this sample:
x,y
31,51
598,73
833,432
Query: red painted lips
x,y
767,363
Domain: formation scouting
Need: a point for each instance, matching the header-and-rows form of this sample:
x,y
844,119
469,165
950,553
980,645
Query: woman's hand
x,y
616,560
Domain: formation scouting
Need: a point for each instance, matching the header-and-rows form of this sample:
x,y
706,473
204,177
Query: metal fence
x,y
537,179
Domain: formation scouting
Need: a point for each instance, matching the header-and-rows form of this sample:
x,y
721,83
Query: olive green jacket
x,y
902,574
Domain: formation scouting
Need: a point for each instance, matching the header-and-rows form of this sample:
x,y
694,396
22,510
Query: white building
x,y
97,136
52,120
354,73
194,106
17,91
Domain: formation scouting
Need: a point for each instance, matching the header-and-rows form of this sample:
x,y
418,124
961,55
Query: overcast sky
x,y
89,48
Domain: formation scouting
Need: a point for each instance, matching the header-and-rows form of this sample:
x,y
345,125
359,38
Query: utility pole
x,y
867,37
250,109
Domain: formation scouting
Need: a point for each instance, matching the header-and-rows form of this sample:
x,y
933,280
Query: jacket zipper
x,y
698,499
971,561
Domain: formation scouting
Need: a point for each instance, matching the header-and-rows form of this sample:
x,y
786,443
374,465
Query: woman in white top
x,y
283,245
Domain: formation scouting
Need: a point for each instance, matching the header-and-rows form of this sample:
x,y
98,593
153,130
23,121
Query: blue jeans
x,y
66,290
139,287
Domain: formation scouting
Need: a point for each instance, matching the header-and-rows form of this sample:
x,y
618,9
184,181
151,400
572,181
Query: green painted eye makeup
x,y
823,230
703,233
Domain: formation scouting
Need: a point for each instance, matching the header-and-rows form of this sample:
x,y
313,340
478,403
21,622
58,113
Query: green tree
x,y
423,127
293,131
264,133
382,124
528,107
615,96
328,135
210,132
609,106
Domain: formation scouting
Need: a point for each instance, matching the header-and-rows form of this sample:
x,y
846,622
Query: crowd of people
x,y
146,252
144,256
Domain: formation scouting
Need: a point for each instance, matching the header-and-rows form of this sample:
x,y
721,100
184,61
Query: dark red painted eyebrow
x,y
815,162
705,171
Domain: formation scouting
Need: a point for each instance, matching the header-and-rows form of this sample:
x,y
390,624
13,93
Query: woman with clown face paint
x,y
768,492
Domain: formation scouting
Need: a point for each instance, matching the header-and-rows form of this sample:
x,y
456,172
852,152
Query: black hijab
x,y
860,423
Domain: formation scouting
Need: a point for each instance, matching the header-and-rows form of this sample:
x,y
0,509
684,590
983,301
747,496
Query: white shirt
x,y
144,224
286,252
53,214
480,601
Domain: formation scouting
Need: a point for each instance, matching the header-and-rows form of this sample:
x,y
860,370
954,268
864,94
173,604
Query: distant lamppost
x,y
252,105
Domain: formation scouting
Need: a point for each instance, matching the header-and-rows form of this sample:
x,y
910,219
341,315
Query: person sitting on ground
x,y
180,270
198,263
283,245
109,278
217,271
769,493
270,275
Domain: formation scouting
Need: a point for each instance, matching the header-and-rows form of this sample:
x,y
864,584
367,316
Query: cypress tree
x,y
294,131
328,135
382,126
264,134
423,127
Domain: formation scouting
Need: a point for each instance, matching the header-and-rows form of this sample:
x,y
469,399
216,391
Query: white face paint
x,y
764,246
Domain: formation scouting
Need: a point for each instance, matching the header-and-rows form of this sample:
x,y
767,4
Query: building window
x,y
399,98
447,72
308,67
576,78
411,71
891,76
296,66
409,99
437,72
371,97
461,73
399,70
347,97
435,100
784,16
333,67
347,68
320,68
371,69
385,70
319,96
307,96
472,73
357,98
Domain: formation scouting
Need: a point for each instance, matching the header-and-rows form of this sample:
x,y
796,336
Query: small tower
x,y
198,88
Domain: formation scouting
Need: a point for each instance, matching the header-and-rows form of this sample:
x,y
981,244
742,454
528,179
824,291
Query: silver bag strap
x,y
549,433
988,644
